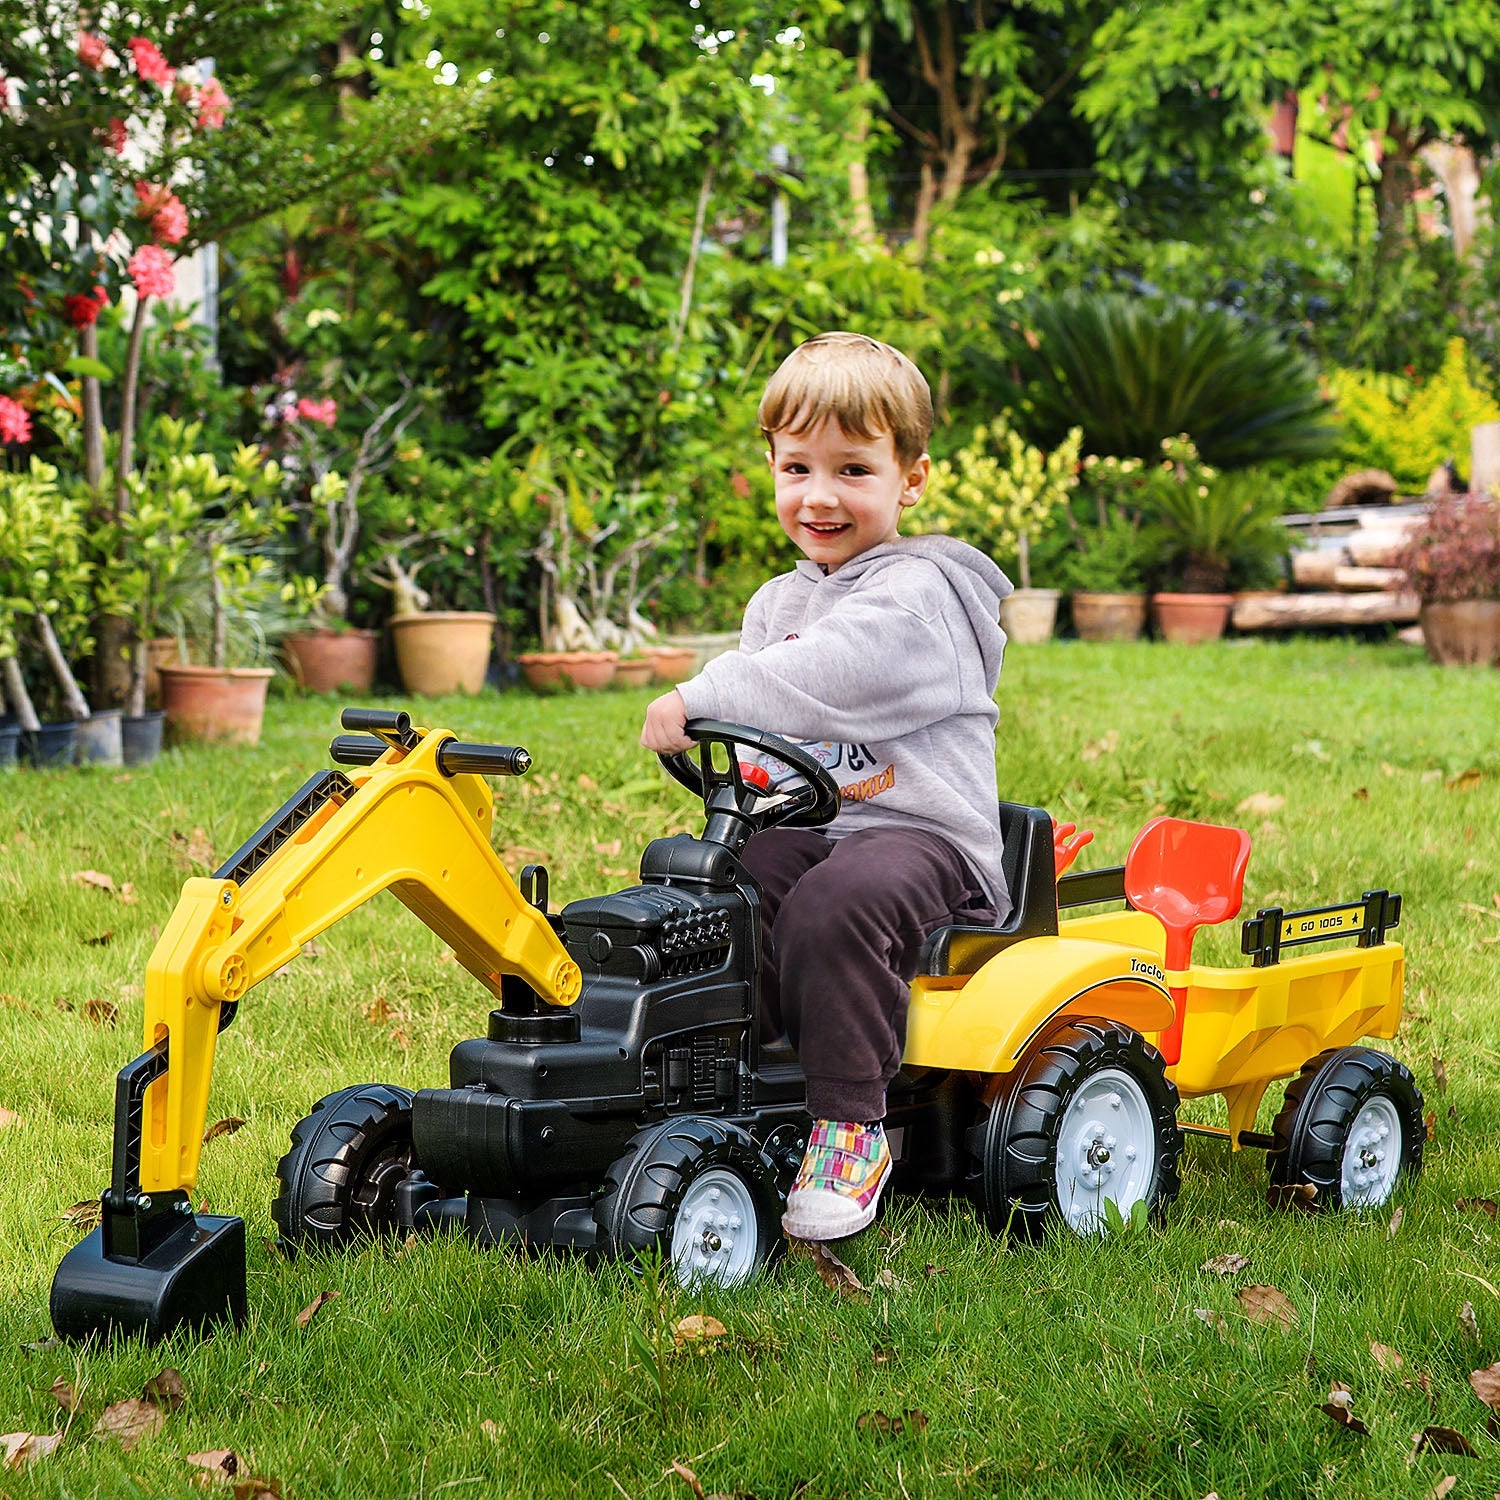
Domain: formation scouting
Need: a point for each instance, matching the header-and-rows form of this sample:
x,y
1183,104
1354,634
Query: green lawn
x,y
1078,1369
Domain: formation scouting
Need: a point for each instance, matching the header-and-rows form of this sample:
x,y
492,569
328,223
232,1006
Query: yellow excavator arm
x,y
409,823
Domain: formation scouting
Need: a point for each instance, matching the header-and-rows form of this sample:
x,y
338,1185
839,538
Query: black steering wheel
x,y
809,805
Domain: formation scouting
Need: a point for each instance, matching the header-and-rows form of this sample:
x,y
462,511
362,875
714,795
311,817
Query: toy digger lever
x,y
416,821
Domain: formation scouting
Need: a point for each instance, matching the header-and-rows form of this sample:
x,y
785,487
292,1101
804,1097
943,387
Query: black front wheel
x,y
1350,1126
348,1156
1088,1120
699,1192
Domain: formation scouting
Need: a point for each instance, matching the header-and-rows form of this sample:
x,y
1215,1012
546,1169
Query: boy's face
x,y
837,495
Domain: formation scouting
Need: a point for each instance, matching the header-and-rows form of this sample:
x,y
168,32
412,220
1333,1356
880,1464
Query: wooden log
x,y
1376,546
1368,580
1315,570
1291,611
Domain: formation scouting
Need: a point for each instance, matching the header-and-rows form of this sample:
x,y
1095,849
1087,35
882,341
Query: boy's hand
x,y
663,729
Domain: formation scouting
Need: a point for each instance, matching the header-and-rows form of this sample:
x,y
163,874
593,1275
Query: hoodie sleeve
x,y
882,664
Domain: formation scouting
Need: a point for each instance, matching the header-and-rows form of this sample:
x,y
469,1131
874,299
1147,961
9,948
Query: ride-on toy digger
x,y
622,1099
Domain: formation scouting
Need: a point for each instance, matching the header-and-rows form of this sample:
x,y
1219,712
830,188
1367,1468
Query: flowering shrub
x,y
1454,554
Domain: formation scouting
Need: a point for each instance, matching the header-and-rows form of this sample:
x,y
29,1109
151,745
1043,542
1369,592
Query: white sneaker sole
x,y
815,1221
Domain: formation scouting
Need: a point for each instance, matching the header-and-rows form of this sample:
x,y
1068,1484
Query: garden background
x,y
494,292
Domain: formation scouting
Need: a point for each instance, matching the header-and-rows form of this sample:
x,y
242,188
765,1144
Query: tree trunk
x,y
861,213
77,704
93,416
20,699
1393,192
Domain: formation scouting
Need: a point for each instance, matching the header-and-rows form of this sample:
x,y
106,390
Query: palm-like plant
x,y
1132,371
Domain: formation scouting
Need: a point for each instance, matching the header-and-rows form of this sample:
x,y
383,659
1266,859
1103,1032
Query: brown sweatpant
x,y
842,925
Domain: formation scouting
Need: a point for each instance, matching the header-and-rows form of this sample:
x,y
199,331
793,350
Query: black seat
x,y
1030,875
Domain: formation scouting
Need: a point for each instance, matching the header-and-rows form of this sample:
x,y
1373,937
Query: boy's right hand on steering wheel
x,y
663,729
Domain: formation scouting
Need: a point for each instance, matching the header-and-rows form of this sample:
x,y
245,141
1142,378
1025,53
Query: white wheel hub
x,y
1372,1154
716,1233
1106,1149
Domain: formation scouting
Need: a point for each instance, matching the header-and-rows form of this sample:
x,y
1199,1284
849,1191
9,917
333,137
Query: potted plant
x,y
1110,551
1452,561
45,578
1212,525
1002,494
220,692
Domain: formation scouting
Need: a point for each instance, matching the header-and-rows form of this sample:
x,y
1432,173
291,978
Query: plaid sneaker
x,y
838,1184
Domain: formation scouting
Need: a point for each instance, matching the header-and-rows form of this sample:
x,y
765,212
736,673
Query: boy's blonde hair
x,y
867,387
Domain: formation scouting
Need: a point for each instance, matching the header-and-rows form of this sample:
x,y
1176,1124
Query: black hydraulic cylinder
x,y
356,749
392,724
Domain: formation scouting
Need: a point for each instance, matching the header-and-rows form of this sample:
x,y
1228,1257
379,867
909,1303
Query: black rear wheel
x,y
699,1192
1089,1119
348,1156
1351,1125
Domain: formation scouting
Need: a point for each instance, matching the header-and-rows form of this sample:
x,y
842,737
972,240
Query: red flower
x,y
213,103
15,422
117,135
151,270
169,220
150,65
91,50
82,309
325,411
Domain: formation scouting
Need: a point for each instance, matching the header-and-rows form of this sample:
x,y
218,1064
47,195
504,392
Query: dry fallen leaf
x,y
102,941
127,894
8,1117
378,1011
95,878
1339,1406
1442,1487
1486,1385
130,1421
931,1270
1443,1440
885,1278
689,1478
220,1463
903,1422
1465,781
309,1312
1226,1265
1361,794
1429,1122
612,848
257,1487
1386,1357
22,1448
1439,1074
101,1012
1478,1206
1299,1195
1262,804
1395,1224
85,1215
491,1429
191,849
834,1273
223,1127
882,1355
1468,1322
164,1389
1267,1304
1213,1317
65,1395
697,1328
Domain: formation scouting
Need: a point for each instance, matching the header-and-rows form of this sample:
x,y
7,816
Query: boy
x,y
882,653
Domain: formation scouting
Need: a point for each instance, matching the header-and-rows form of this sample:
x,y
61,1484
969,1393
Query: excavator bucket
x,y
153,1265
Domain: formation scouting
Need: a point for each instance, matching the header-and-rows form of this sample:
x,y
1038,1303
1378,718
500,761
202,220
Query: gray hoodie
x,y
885,669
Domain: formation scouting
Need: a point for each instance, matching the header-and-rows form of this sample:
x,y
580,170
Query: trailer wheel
x,y
348,1156
1090,1118
1351,1124
699,1192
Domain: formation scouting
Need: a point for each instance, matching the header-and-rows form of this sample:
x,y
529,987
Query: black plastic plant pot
x,y
10,746
51,745
141,736
194,1278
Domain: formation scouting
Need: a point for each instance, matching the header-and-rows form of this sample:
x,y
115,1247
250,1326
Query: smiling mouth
x,y
825,528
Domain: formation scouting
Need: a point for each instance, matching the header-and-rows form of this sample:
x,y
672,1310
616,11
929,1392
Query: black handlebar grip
x,y
482,760
356,749
377,720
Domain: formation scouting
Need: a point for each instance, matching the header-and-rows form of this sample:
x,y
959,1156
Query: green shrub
x,y
1132,371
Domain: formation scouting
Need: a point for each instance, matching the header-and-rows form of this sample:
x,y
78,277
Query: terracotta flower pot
x,y
541,670
1465,633
328,661
1027,616
589,669
1108,617
443,651
215,703
1191,618
636,672
671,663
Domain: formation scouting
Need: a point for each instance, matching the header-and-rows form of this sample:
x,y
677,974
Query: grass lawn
x,y
1108,1368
